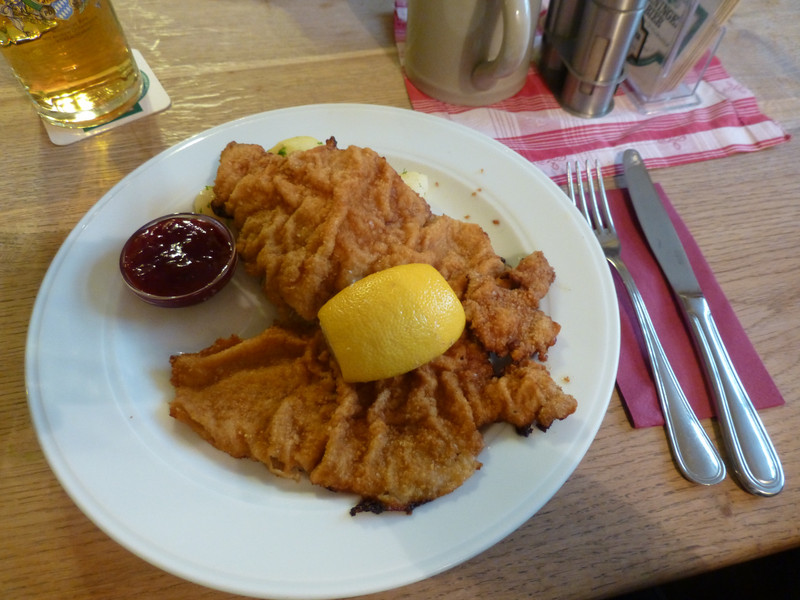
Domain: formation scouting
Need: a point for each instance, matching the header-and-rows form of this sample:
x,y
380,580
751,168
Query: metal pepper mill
x,y
584,50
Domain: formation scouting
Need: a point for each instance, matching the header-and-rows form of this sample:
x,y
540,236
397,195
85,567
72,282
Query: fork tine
x,y
598,216
578,200
604,207
571,185
582,192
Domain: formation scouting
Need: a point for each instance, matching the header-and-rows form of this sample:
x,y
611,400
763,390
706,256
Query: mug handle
x,y
517,31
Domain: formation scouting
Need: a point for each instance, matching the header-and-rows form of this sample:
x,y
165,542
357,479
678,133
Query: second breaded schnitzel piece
x,y
279,398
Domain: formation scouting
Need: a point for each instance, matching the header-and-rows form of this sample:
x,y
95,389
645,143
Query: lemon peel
x,y
391,322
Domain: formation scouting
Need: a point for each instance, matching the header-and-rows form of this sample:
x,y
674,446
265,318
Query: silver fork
x,y
696,457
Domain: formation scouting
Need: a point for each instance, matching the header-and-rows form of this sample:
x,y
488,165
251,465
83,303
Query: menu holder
x,y
671,50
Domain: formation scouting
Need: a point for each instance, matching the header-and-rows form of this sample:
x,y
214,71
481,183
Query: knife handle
x,y
696,457
754,460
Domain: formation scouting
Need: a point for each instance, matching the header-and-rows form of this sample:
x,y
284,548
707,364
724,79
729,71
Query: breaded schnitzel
x,y
279,398
309,225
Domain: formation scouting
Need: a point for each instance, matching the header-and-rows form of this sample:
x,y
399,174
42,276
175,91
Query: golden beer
x,y
72,58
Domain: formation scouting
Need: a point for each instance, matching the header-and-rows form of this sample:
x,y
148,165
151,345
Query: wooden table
x,y
625,519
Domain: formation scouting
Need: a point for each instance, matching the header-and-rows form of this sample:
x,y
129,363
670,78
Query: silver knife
x,y
753,458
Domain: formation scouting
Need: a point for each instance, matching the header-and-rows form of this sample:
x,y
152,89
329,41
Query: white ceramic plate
x,y
97,370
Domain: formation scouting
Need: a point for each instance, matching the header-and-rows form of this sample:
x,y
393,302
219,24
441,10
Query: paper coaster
x,y
154,99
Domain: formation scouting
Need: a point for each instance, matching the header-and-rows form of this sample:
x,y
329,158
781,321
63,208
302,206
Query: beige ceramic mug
x,y
471,52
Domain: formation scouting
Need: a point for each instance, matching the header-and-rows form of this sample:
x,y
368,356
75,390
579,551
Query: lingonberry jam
x,y
179,259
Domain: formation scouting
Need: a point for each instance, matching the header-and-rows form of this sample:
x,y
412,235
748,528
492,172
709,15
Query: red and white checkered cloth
x,y
726,121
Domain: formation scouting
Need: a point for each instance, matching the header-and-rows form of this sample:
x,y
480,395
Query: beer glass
x,y
71,57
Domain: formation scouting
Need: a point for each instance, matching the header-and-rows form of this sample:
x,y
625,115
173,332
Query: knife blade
x,y
755,462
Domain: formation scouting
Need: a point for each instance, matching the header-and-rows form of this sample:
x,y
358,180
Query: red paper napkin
x,y
633,377
726,121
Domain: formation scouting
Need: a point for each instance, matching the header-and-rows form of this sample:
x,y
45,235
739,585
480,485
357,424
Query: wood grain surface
x,y
625,519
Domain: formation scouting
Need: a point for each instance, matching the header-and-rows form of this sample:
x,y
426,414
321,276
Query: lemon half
x,y
391,322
